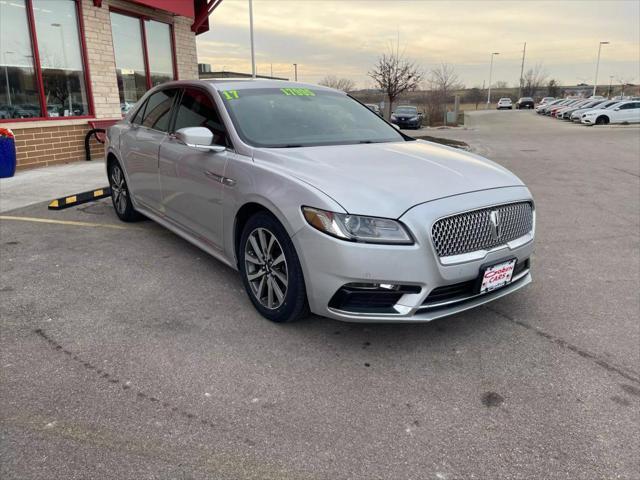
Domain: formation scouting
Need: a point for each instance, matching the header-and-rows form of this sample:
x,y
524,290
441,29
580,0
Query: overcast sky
x,y
345,37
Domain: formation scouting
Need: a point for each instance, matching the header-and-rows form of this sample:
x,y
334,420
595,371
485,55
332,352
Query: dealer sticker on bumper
x,y
497,276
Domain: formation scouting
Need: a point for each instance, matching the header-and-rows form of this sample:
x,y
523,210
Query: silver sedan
x,y
319,203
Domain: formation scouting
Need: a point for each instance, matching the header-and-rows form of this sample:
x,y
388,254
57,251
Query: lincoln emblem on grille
x,y
496,229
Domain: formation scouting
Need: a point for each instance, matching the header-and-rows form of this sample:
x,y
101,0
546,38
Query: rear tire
x,y
120,196
271,271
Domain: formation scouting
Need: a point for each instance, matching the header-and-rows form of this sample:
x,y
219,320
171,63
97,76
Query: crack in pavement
x,y
602,363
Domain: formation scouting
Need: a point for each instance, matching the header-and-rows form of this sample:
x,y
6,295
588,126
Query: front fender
x,y
283,195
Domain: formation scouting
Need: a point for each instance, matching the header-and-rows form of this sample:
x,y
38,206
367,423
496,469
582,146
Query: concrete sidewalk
x,y
33,186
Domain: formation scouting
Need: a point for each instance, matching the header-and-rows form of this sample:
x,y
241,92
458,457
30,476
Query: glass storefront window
x,y
60,58
159,51
19,92
130,35
128,49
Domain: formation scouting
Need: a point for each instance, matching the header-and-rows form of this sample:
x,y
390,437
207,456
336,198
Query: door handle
x,y
220,179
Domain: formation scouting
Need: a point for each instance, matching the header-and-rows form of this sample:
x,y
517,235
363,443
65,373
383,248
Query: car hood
x,y
386,179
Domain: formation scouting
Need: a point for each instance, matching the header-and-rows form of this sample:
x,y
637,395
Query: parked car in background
x,y
552,111
546,100
406,116
525,103
558,113
623,112
576,115
505,103
543,107
566,113
320,205
374,108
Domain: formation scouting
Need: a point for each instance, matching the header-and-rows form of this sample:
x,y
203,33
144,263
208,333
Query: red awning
x,y
179,7
199,10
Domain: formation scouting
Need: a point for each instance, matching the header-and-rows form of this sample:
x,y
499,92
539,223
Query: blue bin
x,y
7,157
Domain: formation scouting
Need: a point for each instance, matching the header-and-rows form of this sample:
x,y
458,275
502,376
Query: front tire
x,y
120,195
271,271
602,120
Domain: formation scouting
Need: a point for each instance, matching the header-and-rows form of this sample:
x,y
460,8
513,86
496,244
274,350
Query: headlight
x,y
357,228
413,118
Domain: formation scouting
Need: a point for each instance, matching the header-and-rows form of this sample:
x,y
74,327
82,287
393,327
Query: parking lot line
x,y
64,222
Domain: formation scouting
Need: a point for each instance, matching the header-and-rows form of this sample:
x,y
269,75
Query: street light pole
x,y
253,52
595,82
295,70
490,75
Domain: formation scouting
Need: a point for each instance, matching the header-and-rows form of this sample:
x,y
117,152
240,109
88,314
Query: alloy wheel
x,y
266,268
118,189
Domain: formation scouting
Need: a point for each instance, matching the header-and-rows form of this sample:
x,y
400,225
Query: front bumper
x,y
408,123
329,264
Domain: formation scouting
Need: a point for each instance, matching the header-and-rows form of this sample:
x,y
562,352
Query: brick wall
x,y
186,54
101,59
45,146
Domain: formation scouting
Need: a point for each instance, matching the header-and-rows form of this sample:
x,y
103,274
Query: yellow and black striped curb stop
x,y
79,198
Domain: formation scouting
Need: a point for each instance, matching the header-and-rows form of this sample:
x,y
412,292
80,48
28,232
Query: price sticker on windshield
x,y
230,94
298,92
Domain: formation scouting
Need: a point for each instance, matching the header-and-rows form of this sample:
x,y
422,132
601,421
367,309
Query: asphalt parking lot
x,y
129,354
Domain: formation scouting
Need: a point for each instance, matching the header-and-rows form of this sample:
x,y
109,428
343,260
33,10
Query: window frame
x,y
143,32
33,36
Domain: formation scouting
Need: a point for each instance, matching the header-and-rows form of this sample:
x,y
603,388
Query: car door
x,y
192,180
140,146
629,112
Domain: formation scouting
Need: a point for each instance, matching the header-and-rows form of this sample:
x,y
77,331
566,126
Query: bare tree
x,y
534,79
552,88
394,74
444,79
442,82
500,84
475,96
344,84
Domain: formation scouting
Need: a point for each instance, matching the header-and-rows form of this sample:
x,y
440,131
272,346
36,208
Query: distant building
x,y
204,68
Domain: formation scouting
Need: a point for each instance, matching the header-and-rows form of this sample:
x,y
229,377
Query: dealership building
x,y
68,66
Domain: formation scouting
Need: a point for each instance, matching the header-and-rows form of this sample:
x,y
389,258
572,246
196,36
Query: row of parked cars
x,y
595,110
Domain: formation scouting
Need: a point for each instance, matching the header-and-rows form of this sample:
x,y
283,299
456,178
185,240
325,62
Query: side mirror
x,y
616,109
199,138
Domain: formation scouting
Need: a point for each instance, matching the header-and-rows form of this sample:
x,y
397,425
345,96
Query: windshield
x,y
407,110
303,117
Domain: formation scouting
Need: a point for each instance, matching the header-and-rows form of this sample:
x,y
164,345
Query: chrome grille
x,y
472,231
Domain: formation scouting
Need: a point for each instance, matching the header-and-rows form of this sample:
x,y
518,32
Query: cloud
x,y
345,37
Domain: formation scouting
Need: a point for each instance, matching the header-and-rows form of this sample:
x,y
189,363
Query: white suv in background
x,y
623,112
505,103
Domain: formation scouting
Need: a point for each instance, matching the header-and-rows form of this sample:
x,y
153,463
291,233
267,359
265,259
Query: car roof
x,y
252,83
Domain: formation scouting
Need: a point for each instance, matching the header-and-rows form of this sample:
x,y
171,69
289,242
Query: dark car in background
x,y
374,108
407,116
525,102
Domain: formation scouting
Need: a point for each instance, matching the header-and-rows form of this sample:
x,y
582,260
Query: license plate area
x,y
496,276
